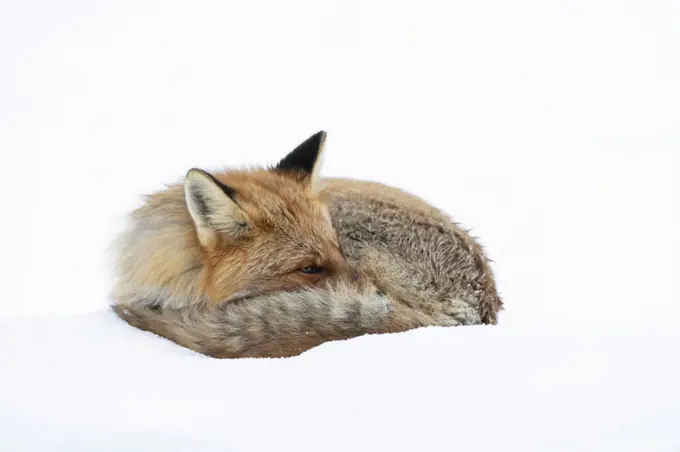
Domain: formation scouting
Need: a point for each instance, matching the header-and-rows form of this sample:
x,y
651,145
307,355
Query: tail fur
x,y
281,324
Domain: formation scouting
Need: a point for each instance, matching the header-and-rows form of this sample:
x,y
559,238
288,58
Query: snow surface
x,y
89,383
549,127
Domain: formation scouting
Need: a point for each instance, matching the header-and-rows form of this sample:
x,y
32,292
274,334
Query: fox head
x,y
264,229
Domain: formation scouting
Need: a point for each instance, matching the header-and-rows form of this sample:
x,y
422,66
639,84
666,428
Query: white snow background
x,y
552,129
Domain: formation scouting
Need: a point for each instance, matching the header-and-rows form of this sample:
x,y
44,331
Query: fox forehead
x,y
278,203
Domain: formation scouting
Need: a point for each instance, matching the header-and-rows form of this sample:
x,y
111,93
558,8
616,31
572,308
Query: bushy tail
x,y
276,325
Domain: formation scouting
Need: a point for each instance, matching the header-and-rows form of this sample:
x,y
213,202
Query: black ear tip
x,y
315,142
317,139
304,157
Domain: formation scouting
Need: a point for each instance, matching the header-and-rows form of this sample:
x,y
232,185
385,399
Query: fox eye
x,y
312,270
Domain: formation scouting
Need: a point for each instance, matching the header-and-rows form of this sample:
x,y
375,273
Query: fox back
x,y
235,234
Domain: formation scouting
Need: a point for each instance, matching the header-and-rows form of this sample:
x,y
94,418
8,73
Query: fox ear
x,y
213,209
305,160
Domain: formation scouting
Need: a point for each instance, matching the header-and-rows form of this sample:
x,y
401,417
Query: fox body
x,y
272,262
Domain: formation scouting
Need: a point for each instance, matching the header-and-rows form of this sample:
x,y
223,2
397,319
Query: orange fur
x,y
196,243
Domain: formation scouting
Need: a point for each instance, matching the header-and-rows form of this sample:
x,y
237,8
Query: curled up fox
x,y
270,262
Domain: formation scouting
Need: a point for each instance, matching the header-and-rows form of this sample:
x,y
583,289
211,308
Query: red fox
x,y
270,262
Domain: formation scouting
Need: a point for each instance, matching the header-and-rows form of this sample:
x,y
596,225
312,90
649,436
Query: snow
x,y
89,383
550,128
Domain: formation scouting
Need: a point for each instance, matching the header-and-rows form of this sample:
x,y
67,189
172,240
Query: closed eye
x,y
312,270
